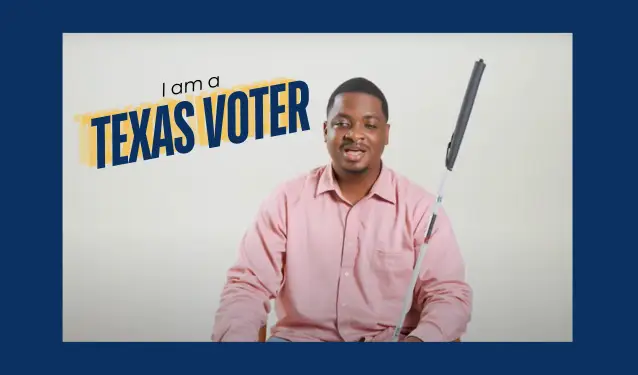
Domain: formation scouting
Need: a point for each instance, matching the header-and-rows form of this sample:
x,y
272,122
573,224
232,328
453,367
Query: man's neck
x,y
355,186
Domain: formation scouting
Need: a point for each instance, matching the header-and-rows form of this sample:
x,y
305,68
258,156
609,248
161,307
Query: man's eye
x,y
341,124
371,126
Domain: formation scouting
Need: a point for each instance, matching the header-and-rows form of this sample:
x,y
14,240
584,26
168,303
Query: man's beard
x,y
356,171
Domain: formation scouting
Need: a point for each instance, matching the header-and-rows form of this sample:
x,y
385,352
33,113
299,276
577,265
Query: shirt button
x,y
344,304
347,274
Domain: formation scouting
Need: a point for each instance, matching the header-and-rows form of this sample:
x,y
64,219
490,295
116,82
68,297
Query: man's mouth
x,y
353,153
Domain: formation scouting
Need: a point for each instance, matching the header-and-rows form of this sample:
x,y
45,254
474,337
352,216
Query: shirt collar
x,y
383,187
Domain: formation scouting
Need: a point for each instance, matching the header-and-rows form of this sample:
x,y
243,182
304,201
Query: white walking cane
x,y
450,158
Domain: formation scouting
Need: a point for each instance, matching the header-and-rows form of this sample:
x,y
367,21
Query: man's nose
x,y
356,132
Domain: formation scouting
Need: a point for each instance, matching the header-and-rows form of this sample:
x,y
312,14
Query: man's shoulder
x,y
296,186
410,191
302,181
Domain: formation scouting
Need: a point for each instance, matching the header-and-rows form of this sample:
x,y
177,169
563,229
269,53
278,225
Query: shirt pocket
x,y
393,270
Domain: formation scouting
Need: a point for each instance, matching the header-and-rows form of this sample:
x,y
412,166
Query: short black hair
x,y
361,85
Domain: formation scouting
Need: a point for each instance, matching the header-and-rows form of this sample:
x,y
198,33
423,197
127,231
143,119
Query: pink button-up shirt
x,y
340,272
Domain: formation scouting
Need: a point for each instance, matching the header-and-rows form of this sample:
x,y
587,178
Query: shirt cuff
x,y
236,331
428,332
238,336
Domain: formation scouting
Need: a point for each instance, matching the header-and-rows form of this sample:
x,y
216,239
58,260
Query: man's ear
x,y
387,134
325,131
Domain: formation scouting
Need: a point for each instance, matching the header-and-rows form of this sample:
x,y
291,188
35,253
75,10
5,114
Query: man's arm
x,y
441,291
256,276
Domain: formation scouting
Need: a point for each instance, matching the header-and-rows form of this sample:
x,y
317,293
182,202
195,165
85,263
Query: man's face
x,y
356,132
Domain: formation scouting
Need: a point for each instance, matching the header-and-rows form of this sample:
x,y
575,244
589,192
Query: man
x,y
336,247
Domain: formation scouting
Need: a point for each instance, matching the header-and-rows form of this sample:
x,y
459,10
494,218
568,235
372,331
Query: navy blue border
x,y
32,180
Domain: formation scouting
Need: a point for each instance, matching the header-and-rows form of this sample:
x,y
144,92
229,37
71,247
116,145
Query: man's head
x,y
356,130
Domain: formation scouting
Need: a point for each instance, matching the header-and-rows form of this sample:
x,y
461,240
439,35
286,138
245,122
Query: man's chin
x,y
354,169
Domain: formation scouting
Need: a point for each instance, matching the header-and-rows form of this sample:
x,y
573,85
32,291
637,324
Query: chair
x,y
262,334
263,329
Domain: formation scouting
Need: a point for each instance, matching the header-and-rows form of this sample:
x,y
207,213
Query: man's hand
x,y
412,339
